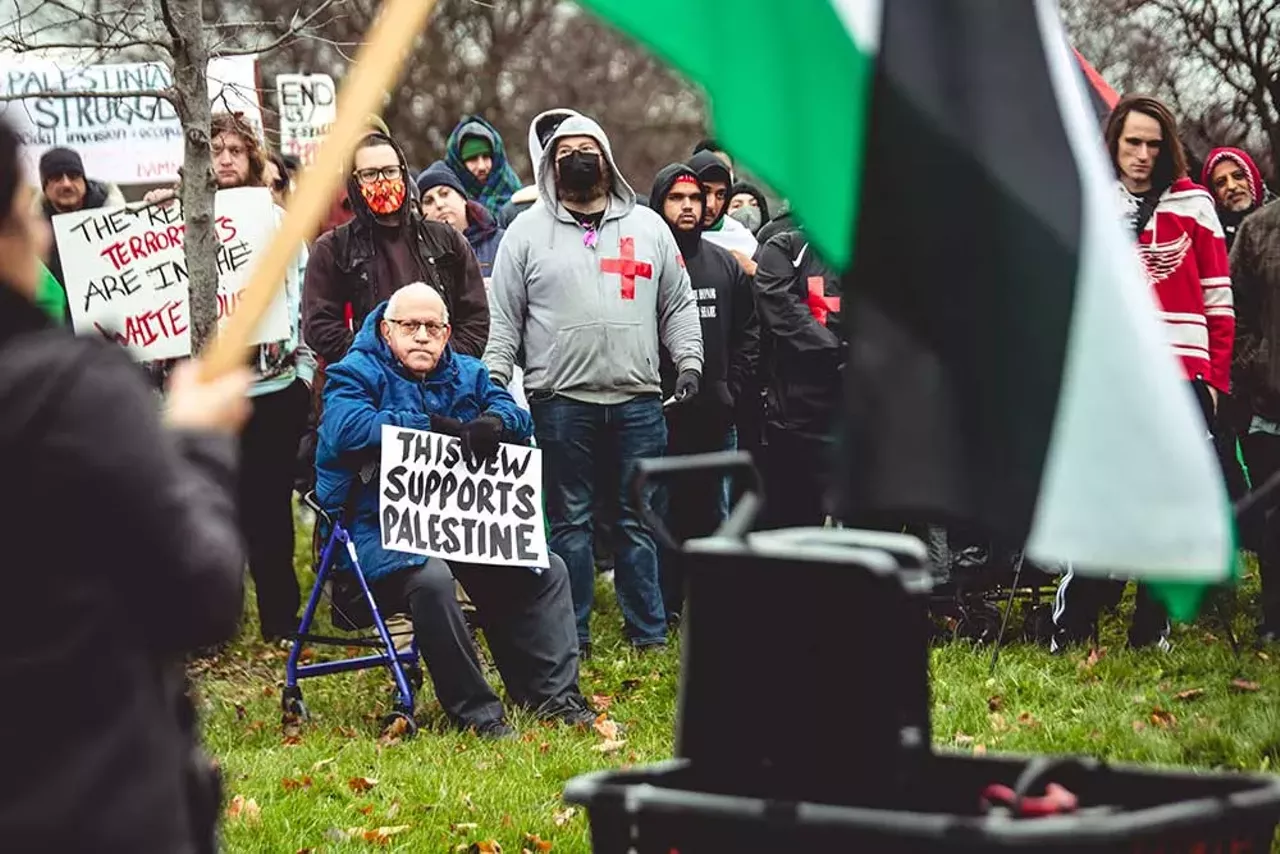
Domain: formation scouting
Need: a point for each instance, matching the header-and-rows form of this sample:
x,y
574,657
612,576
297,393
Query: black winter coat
x,y
121,555
803,345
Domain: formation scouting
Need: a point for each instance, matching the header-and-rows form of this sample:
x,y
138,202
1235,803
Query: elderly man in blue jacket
x,y
401,371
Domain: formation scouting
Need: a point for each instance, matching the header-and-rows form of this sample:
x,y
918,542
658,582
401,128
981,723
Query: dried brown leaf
x,y
244,809
536,842
382,835
1244,686
562,817
606,727
1189,694
995,703
1163,718
361,784
463,827
365,809
601,701
1028,720
609,745
488,846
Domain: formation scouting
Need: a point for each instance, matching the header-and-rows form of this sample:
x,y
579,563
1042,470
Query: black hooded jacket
x,y
96,195
355,264
708,167
124,555
803,339
730,330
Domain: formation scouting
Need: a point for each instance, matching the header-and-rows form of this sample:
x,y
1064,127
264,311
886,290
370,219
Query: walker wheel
x,y
291,703
398,724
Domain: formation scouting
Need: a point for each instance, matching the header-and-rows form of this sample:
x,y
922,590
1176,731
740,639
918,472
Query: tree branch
x,y
292,34
161,94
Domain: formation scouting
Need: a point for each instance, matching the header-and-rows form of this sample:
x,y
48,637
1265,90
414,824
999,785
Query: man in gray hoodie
x,y
589,283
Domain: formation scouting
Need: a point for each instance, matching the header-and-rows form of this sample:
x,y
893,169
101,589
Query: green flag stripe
x,y
798,124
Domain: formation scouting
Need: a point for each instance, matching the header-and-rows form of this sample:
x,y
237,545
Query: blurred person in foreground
x,y
127,535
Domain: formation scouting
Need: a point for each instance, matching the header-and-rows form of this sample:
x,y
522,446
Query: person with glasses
x,y
402,370
281,396
363,262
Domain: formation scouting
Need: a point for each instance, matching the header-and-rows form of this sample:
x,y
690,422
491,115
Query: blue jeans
x,y
577,438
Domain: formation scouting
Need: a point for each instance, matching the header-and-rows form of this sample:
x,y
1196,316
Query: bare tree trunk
x,y
185,22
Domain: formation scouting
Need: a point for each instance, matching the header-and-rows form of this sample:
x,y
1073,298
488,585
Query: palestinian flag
x,y
1007,366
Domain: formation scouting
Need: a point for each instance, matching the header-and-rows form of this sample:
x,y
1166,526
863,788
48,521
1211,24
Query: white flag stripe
x,y
862,19
1137,492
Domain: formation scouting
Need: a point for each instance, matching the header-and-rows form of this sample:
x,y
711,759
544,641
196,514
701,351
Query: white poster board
x,y
126,277
130,139
308,106
434,503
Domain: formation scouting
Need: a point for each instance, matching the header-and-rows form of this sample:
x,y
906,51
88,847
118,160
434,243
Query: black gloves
x,y
446,425
686,386
480,438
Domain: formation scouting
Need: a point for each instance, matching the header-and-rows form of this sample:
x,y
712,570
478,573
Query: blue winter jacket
x,y
369,388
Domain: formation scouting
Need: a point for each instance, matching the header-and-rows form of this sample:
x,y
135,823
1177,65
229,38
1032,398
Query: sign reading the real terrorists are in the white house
x,y
435,503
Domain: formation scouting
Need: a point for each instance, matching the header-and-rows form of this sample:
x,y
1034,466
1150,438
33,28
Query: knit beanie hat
x,y
439,173
60,161
474,146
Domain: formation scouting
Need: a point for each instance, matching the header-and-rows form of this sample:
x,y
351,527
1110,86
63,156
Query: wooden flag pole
x,y
373,72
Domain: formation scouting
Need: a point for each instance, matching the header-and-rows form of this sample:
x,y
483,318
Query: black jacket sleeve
x,y
779,300
163,502
324,319
470,306
744,341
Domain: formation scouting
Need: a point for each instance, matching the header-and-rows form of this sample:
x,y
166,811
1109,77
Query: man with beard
x,y
730,342
803,351
386,246
1255,369
477,156
589,284
723,231
66,189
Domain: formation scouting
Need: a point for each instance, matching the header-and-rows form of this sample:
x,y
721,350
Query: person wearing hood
x,y
388,243
477,156
748,206
444,200
1235,181
1255,369
540,130
717,228
590,285
65,190
730,348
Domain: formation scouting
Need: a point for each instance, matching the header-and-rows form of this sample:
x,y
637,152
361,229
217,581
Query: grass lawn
x,y
323,788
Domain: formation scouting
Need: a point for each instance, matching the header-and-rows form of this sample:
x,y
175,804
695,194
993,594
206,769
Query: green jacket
x,y
51,298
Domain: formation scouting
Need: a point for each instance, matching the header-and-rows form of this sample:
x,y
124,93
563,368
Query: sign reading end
x,y
434,503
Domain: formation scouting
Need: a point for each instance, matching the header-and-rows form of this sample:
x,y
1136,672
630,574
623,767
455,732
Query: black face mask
x,y
579,172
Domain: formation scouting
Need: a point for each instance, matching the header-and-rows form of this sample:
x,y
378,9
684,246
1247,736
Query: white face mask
x,y
750,216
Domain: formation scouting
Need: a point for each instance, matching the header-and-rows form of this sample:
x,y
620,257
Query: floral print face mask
x,y
384,197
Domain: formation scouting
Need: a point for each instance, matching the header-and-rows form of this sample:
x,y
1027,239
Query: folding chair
x,y
404,666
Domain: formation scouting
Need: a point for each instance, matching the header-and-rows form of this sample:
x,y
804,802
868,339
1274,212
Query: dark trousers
x,y
527,617
1080,599
268,452
694,504
577,440
797,470
1262,533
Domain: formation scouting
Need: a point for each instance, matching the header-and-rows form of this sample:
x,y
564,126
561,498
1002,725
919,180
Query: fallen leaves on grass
x,y
322,763
609,745
1028,720
601,701
995,703
463,827
244,809
292,785
534,842
606,727
1244,686
291,740
393,810
1095,655
376,835
544,747
360,785
395,731
346,732
562,817
962,740
365,809
488,846
1189,694
998,723
1163,718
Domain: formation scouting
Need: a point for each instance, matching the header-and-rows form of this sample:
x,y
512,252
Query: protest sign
x,y
436,504
308,106
132,139
126,277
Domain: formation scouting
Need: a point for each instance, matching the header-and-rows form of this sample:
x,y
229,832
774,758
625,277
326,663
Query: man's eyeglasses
x,y
411,327
233,150
386,173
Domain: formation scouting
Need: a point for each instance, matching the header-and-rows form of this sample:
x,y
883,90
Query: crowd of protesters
x,y
604,326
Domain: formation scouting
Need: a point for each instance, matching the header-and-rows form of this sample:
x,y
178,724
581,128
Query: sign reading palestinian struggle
x,y
126,139
436,504
126,276
308,107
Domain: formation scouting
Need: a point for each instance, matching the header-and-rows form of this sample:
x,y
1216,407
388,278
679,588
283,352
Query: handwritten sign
x,y
132,139
126,277
434,503
308,106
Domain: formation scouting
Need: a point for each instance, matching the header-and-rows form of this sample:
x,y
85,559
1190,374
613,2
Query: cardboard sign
x,y
435,504
132,139
308,106
126,277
